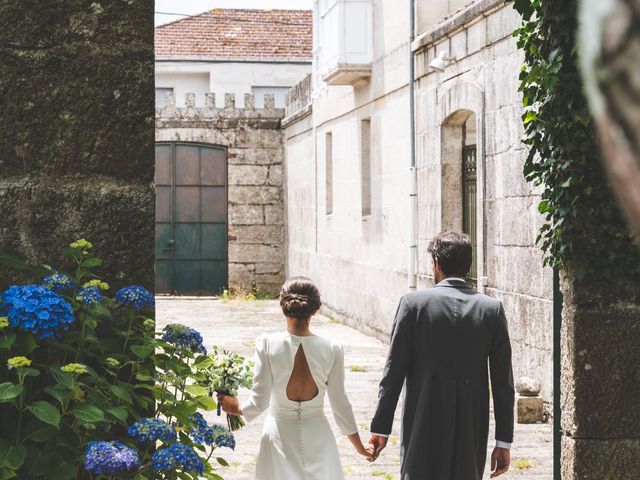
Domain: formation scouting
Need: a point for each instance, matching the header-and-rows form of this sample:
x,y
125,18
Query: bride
x,y
293,371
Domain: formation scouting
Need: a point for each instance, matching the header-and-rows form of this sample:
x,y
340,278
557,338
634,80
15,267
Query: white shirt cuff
x,y
380,434
500,444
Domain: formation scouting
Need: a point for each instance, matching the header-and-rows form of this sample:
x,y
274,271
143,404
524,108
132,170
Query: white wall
x,y
360,264
226,77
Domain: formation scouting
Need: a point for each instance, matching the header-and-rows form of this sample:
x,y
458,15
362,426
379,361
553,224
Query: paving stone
x,y
236,324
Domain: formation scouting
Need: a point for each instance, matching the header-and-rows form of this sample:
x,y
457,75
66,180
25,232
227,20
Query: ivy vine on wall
x,y
584,230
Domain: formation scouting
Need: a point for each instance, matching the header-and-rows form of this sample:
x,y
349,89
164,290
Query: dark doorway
x,y
191,219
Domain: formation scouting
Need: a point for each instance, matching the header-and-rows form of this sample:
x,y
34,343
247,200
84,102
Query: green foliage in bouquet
x,y
89,390
226,372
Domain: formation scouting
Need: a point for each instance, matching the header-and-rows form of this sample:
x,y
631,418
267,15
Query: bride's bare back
x,y
301,386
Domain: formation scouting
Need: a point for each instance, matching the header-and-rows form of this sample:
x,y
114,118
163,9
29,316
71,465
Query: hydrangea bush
x,y
89,390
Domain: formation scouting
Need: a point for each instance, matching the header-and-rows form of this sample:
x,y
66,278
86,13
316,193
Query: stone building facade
x,y
348,179
252,140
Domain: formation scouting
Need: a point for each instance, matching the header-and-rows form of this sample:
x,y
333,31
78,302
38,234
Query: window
x,y
343,48
469,223
328,155
161,94
459,180
365,165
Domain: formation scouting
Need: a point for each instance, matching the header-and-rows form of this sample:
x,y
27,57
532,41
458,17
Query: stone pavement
x,y
234,325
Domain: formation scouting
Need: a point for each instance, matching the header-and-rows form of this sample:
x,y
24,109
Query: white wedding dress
x,y
297,441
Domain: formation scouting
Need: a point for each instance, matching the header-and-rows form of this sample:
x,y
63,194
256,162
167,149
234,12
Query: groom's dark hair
x,y
453,251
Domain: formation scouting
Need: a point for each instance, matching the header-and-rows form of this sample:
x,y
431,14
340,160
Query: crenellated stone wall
x,y
254,143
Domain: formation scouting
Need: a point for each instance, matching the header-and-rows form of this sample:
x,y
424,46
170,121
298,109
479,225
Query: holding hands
x,y
377,443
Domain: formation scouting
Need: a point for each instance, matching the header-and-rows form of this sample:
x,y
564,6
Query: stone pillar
x,y
600,383
76,148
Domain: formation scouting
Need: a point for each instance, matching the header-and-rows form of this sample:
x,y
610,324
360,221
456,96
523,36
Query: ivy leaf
x,y
45,412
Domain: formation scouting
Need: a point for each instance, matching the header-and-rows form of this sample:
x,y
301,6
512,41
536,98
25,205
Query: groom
x,y
441,341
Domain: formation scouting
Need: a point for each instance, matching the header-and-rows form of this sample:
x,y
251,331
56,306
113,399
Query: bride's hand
x,y
369,453
229,404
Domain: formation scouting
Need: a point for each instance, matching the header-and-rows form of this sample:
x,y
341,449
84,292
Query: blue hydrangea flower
x,y
57,282
152,429
183,337
110,458
216,435
177,456
36,309
135,296
89,295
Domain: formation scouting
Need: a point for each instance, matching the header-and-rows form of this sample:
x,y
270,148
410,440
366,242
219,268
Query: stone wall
x,y
76,148
254,143
360,261
484,80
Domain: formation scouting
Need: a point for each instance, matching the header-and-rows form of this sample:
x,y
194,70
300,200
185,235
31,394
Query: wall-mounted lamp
x,y
442,61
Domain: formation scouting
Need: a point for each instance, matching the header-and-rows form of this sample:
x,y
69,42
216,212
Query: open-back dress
x,y
297,442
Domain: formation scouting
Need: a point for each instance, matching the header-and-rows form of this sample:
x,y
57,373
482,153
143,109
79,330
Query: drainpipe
x,y
413,192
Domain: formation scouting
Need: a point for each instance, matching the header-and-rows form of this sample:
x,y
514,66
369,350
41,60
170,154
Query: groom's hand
x,y
378,442
500,460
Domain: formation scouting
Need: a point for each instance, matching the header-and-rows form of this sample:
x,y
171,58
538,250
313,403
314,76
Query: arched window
x,y
459,179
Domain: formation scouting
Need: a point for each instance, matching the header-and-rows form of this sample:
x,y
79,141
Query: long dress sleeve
x,y
340,404
502,379
260,397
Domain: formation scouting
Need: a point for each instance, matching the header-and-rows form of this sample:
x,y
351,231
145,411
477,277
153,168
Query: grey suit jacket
x,y
442,342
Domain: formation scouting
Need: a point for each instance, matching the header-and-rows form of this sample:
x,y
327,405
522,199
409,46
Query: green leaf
x,y
7,340
121,393
205,402
142,351
92,262
12,456
7,473
196,390
9,391
43,433
222,461
102,310
30,372
25,344
88,413
45,412
119,413
57,393
63,472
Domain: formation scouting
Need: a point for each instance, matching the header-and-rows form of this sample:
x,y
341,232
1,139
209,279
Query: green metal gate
x,y
469,205
191,219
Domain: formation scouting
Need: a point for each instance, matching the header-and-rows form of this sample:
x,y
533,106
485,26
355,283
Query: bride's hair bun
x,y
299,298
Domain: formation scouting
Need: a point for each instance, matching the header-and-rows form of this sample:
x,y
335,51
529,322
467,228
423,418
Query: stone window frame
x,y
457,101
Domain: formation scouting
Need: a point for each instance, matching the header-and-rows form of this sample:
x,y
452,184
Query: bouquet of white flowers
x,y
226,373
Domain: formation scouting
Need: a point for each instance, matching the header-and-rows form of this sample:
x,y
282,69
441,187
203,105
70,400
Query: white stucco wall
x,y
226,77
359,263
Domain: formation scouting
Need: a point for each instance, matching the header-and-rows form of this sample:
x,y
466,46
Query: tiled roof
x,y
238,33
